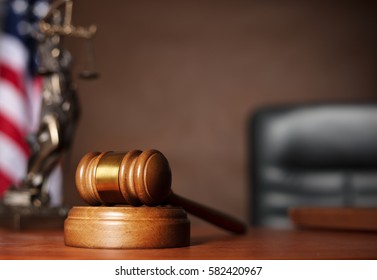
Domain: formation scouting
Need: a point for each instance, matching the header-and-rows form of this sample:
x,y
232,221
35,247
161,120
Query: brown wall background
x,y
184,76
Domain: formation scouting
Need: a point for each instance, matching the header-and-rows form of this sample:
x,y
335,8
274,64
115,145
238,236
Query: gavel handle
x,y
210,215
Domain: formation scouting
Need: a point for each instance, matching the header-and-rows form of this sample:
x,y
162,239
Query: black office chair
x,y
312,155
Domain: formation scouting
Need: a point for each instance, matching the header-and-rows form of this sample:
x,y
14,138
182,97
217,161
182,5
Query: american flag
x,y
20,86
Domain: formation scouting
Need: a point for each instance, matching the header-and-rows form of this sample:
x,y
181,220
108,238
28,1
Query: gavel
x,y
139,178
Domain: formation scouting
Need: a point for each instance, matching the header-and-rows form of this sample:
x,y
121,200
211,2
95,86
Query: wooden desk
x,y
207,243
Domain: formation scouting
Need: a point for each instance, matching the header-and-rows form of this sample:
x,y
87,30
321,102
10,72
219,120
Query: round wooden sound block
x,y
121,227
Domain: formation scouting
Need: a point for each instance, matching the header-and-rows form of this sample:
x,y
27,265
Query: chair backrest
x,y
311,155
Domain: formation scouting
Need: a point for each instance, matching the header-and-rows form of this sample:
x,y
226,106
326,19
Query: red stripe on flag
x,y
5,182
13,132
13,77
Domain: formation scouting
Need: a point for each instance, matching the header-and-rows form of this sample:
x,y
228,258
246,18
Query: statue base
x,y
25,218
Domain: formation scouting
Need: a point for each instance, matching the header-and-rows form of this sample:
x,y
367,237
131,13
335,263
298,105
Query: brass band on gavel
x,y
133,178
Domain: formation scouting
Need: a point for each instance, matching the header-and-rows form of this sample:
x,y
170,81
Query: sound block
x,y
127,227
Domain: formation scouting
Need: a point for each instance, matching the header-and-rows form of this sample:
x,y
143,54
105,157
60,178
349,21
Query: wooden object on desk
x,y
347,218
127,227
138,178
139,183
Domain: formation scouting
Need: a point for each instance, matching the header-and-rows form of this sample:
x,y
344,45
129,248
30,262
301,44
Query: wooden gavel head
x,y
133,178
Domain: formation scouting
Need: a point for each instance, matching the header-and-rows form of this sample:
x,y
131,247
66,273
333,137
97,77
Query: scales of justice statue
x,y
27,205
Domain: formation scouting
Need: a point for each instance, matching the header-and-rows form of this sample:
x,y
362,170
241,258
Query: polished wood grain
x,y
139,178
127,227
206,243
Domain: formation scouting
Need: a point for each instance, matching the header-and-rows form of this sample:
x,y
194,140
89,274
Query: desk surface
x,y
206,243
